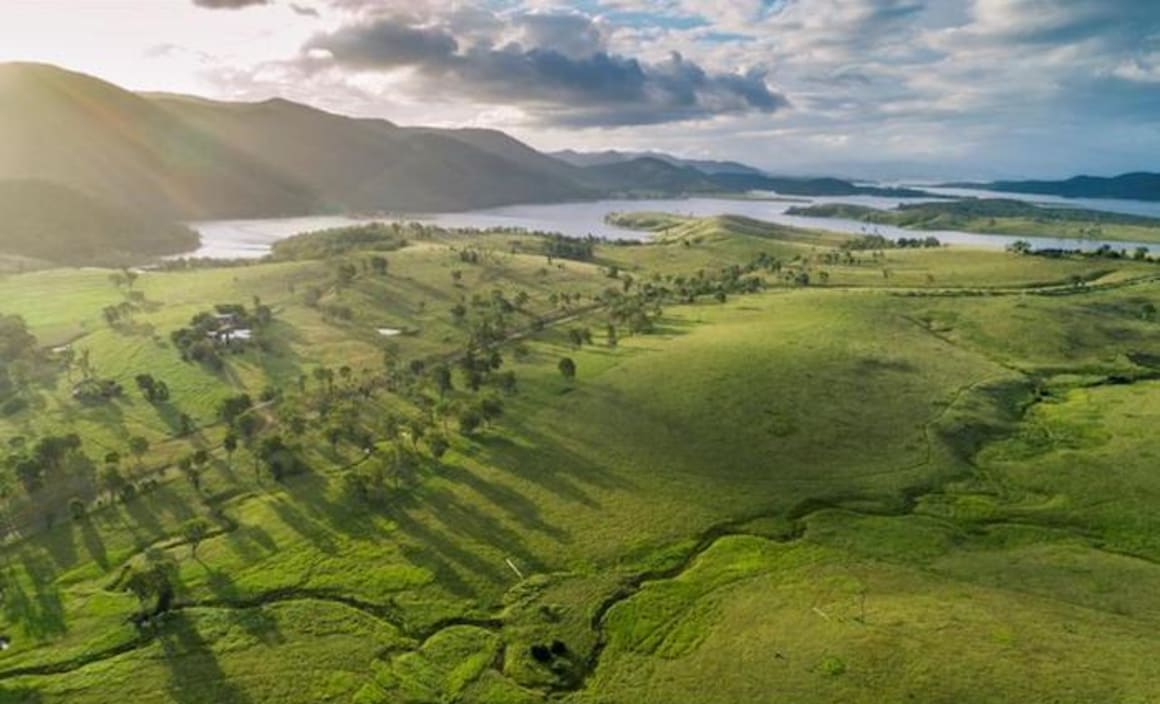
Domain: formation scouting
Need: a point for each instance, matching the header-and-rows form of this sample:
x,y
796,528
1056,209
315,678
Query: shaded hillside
x,y
84,133
370,165
54,223
707,166
808,186
189,158
997,216
1133,186
648,175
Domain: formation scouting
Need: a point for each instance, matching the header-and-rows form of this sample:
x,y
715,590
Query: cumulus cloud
x,y
992,85
556,68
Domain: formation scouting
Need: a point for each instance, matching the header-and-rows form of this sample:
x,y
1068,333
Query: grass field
x,y
931,485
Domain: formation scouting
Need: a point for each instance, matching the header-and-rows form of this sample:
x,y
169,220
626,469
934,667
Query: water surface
x,y
252,238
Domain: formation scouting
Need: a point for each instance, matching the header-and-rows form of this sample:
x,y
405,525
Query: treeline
x,y
576,248
229,327
321,244
967,212
880,242
20,359
1104,251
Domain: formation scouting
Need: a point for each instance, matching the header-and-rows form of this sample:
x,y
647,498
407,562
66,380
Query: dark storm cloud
x,y
228,4
387,44
574,83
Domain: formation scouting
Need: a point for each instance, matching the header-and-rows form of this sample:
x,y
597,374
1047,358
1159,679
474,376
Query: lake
x,y
228,239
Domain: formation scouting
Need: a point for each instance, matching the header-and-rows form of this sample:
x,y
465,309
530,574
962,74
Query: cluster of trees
x,y
322,244
154,390
229,327
1104,251
20,360
558,246
33,464
879,242
94,390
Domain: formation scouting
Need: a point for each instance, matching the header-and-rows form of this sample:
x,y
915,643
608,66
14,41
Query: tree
x,y
230,445
334,434
138,445
491,408
567,368
469,420
1019,247
151,581
231,408
185,424
379,265
442,376
438,445
194,531
506,381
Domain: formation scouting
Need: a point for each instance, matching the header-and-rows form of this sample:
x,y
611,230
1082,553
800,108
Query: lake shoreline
x,y
252,239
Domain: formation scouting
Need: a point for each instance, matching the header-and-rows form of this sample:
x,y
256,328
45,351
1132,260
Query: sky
x,y
882,89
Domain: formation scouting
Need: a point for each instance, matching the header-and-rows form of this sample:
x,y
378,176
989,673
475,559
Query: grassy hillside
x,y
929,485
999,217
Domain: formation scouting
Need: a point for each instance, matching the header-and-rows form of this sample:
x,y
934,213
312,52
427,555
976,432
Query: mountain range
x,y
146,161
1132,186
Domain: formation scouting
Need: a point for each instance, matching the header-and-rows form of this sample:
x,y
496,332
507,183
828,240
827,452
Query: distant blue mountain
x,y
1140,185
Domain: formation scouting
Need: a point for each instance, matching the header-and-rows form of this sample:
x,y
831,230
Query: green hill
x,y
997,216
923,475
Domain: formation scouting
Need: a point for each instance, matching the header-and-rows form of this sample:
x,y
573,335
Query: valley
x,y
801,470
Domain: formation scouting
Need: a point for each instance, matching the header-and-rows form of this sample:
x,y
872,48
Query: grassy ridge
x,y
998,217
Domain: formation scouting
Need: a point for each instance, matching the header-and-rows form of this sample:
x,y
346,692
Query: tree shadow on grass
x,y
194,672
522,509
41,612
252,543
60,543
445,554
94,544
538,465
468,522
259,624
310,528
